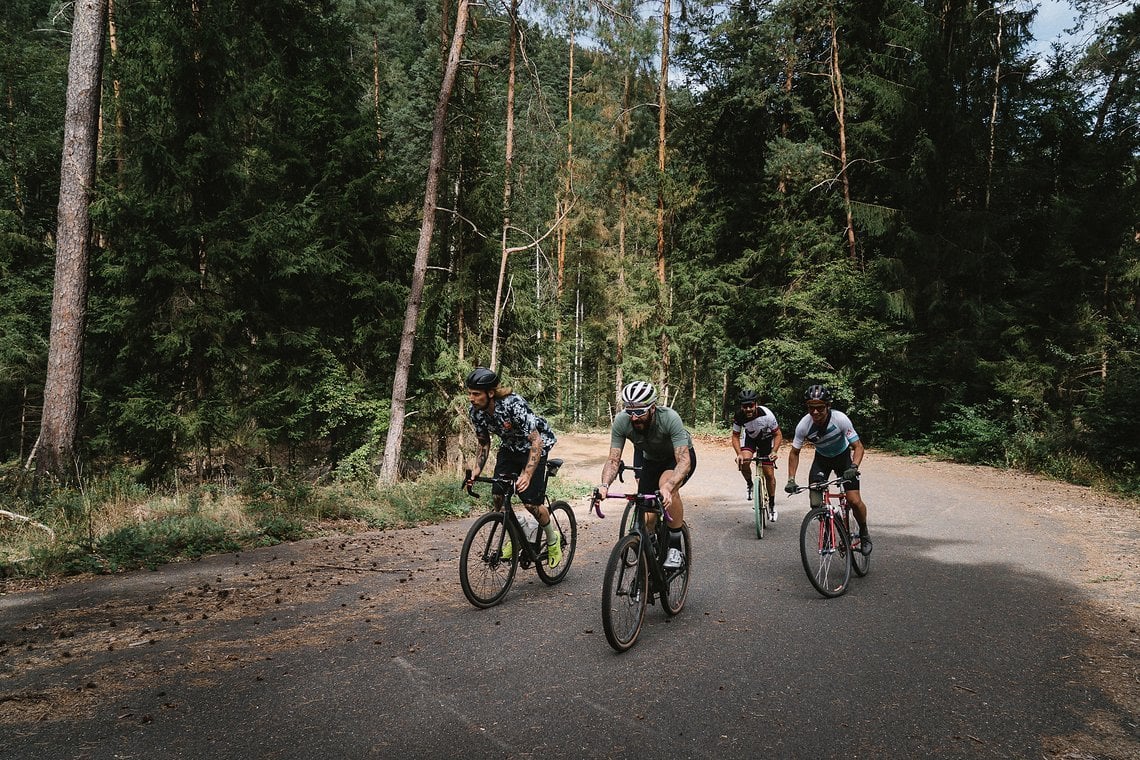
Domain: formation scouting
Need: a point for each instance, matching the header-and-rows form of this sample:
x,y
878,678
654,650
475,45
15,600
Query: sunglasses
x,y
638,412
816,407
748,406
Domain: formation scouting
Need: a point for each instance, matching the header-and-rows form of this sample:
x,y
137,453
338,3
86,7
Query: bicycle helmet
x,y
639,393
747,396
818,393
482,379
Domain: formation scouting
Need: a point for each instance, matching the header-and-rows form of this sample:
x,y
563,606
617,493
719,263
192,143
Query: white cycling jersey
x,y
830,439
761,427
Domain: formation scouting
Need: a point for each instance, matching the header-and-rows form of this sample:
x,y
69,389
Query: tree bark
x,y
662,91
840,105
389,471
60,423
994,110
561,208
508,169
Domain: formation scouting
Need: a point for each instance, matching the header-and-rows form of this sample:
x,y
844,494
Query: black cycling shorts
x,y
508,464
822,467
762,447
652,469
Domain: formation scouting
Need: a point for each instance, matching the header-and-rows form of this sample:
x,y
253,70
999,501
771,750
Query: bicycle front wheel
x,y
625,591
825,549
566,528
679,578
628,519
483,573
760,504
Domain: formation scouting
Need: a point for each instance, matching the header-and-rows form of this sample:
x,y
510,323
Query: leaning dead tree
x,y
390,468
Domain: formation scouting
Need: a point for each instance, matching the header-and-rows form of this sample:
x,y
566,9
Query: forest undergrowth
x,y
113,522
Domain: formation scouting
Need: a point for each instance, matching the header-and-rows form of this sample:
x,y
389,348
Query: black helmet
x,y
482,379
818,393
747,396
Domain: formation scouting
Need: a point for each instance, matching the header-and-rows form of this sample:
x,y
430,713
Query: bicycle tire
x,y
860,562
484,575
566,526
760,504
825,549
628,519
678,579
625,592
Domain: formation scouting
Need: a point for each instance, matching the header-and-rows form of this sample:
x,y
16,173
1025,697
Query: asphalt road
x,y
985,629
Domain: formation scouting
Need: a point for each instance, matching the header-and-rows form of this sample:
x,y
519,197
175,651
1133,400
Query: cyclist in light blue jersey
x,y
837,449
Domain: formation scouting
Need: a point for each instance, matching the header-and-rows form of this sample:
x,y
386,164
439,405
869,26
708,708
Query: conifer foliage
x,y
901,201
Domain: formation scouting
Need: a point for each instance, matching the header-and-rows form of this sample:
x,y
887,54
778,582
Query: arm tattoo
x,y
535,451
681,456
610,470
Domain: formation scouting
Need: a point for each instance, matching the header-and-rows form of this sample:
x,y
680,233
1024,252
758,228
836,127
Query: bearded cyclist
x,y
762,438
524,441
667,455
837,449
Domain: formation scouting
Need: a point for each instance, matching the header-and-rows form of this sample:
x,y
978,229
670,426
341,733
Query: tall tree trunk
x,y
462,319
994,110
509,168
390,468
662,91
376,94
623,213
60,422
117,96
561,210
17,188
839,103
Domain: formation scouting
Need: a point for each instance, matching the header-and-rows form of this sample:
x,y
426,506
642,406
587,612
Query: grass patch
x,y
113,524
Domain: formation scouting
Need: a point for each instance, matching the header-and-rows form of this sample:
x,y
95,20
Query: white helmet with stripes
x,y
639,393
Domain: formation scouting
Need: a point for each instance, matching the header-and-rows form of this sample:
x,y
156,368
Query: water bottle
x,y
529,525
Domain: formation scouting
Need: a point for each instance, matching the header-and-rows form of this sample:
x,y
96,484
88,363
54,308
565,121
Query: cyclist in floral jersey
x,y
525,439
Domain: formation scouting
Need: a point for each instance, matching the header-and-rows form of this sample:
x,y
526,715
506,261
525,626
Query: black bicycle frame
x,y
529,548
659,539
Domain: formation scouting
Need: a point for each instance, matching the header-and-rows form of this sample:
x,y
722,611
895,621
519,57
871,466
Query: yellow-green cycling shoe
x,y
508,550
554,553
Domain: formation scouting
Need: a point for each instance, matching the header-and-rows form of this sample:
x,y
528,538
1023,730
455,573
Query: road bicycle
x,y
827,548
636,574
760,494
484,573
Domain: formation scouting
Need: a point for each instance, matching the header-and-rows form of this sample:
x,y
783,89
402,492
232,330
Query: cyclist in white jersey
x,y
837,449
761,435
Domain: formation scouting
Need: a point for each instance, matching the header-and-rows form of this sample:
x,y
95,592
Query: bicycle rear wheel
x,y
760,503
825,549
860,562
566,526
678,578
625,591
483,573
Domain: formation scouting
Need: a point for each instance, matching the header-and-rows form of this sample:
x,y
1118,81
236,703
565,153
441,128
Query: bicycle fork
x,y
828,534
